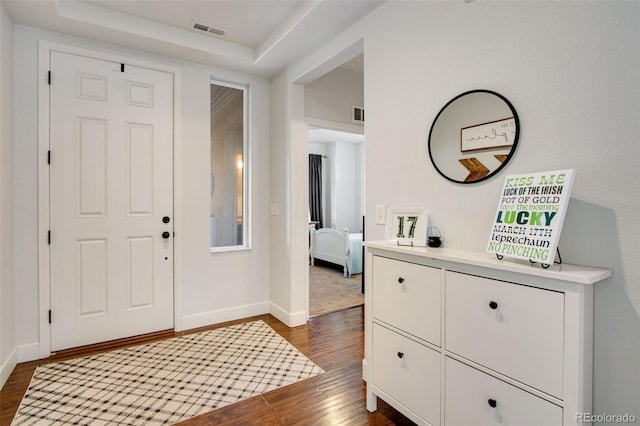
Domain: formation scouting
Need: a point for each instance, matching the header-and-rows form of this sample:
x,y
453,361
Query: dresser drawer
x,y
467,396
513,329
407,296
407,371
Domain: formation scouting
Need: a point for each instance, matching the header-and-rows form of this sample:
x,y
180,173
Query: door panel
x,y
92,277
140,268
91,176
111,183
140,169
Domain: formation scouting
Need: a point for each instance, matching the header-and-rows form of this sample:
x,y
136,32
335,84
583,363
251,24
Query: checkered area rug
x,y
166,381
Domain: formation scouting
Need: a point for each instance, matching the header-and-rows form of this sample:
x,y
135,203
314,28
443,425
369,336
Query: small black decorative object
x,y
433,237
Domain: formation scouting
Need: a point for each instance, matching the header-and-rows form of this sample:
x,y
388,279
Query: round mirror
x,y
473,136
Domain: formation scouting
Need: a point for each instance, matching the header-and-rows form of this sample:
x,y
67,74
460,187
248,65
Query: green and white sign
x,y
530,215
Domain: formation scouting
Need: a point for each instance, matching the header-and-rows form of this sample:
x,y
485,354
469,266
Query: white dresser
x,y
461,338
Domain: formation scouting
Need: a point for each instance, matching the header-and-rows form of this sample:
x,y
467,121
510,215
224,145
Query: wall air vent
x,y
357,114
200,27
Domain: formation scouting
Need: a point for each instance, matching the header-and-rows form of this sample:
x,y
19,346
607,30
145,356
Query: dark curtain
x,y
315,189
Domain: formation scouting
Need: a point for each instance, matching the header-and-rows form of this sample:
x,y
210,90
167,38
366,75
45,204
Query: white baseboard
x,y
29,352
22,353
291,319
7,367
215,317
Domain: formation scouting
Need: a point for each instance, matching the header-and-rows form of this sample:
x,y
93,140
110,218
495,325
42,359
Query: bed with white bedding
x,y
340,248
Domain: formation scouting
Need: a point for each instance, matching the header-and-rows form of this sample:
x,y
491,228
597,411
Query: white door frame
x,y
44,278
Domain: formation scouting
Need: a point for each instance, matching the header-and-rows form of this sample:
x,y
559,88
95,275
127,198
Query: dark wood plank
x,y
334,341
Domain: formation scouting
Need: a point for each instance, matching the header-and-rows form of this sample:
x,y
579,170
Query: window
x,y
228,209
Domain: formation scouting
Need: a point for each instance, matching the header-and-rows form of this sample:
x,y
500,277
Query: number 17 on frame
x,y
407,226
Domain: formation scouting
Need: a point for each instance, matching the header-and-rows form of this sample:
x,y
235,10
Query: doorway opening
x,y
336,209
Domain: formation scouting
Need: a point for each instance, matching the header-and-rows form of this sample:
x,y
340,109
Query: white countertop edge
x,y
563,272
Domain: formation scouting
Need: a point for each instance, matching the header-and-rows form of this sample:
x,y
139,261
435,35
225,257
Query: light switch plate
x,y
381,214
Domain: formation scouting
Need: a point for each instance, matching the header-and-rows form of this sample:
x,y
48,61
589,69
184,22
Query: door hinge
x,y
49,316
49,237
49,78
48,157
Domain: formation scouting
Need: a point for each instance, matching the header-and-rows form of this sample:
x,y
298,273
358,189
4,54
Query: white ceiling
x,y
263,36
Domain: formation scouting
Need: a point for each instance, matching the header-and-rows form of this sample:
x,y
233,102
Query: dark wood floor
x,y
333,341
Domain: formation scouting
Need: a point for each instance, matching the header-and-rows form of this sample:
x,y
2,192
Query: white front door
x,y
111,200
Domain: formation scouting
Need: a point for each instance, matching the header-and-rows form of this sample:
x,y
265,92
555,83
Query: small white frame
x,y
407,226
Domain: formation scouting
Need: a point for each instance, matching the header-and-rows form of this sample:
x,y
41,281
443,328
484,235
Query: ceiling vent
x,y
200,27
357,114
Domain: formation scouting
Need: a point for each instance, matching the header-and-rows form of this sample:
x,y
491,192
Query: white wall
x,y
332,96
289,244
280,267
8,356
347,184
211,287
343,184
571,71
